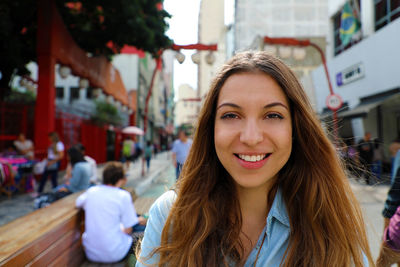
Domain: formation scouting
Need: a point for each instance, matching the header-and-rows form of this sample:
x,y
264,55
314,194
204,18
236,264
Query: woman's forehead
x,y
253,87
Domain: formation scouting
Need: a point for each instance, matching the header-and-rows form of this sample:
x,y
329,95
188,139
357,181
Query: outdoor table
x,y
24,171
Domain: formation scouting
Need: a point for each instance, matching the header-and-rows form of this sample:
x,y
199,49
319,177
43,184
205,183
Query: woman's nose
x,y
251,133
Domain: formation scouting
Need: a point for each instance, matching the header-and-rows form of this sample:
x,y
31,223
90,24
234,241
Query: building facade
x,y
186,108
255,19
365,72
212,30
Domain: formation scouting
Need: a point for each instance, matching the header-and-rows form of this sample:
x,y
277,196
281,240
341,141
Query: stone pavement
x,y
150,186
372,199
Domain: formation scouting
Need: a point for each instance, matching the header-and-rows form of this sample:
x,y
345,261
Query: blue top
x,y
271,254
80,180
181,150
275,244
396,165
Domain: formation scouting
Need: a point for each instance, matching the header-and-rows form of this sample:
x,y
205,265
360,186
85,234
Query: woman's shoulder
x,y
163,204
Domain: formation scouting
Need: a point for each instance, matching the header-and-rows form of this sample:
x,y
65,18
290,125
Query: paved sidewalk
x,y
21,204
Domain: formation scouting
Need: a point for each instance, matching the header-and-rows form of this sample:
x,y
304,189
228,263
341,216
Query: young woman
x,y
262,185
80,174
55,153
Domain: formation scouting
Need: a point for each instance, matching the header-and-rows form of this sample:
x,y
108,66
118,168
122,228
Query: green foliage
x,y
96,22
15,96
106,114
17,39
133,22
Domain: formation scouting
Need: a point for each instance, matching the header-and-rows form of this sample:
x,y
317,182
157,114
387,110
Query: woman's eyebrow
x,y
276,104
273,104
229,105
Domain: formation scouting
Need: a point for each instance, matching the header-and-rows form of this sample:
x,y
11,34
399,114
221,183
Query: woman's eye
x,y
229,116
274,116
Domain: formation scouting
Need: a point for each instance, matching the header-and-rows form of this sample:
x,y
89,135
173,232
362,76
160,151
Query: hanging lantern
x,y
285,52
196,58
83,83
96,92
23,82
110,99
180,57
299,53
210,58
30,86
271,49
64,71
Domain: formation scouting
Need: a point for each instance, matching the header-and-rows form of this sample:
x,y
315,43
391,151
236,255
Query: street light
x,y
334,101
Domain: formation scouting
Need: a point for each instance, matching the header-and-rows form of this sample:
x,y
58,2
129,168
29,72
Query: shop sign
x,y
350,74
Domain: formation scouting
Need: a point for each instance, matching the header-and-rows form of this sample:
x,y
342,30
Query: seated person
x,y
110,217
80,173
93,179
24,146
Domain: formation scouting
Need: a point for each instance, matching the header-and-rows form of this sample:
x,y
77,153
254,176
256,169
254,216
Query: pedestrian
x,y
128,149
110,218
24,146
138,151
394,149
391,213
148,152
352,162
180,151
377,158
55,153
262,184
366,153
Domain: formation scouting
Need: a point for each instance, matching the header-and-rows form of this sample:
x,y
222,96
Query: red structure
x,y
304,43
200,47
54,44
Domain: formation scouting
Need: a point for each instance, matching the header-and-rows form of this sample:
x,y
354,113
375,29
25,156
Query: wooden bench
x,y
46,237
51,236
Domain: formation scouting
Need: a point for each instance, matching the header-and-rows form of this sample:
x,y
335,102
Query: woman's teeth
x,y
253,158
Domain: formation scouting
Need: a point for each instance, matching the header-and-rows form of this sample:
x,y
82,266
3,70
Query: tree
x,y
92,24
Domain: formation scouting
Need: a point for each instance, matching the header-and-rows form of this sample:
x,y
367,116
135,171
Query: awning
x,y
359,111
364,108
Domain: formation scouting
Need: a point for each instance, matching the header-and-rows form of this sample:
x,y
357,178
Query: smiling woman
x,y
262,185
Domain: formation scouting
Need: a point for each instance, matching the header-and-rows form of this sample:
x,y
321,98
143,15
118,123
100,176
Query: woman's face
x,y
253,129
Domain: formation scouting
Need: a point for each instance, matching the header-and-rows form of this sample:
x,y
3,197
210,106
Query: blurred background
x,y
87,69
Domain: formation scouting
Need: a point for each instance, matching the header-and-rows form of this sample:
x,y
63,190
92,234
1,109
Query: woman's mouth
x,y
252,161
252,158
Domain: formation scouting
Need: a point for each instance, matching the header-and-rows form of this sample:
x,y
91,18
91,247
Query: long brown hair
x,y
205,221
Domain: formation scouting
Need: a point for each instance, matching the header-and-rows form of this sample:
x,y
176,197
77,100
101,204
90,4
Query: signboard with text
x,y
350,74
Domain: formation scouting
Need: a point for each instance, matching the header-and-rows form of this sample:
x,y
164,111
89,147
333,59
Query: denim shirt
x,y
277,229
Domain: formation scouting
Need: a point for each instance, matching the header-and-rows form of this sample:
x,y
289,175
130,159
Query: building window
x,y
60,92
89,93
386,11
74,93
339,47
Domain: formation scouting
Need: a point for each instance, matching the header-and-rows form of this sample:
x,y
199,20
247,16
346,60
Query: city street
x,y
162,177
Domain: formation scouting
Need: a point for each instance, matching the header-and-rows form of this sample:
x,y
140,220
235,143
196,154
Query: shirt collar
x,y
278,209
